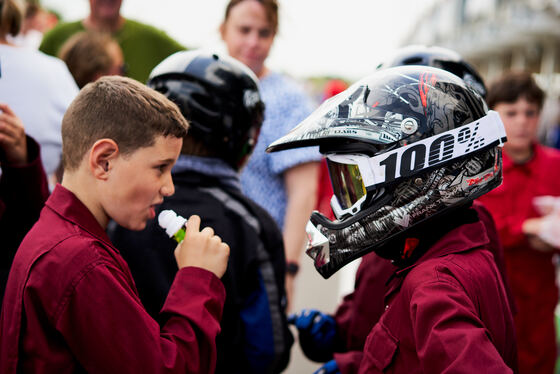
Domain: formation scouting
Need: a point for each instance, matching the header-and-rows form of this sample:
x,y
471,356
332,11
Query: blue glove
x,y
317,334
329,368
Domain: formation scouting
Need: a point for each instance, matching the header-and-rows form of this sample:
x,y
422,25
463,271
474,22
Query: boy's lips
x,y
153,208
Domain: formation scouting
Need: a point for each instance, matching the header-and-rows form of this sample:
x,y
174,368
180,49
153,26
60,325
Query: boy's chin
x,y
135,226
520,145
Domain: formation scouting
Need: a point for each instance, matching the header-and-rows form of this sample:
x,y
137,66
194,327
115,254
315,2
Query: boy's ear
x,y
222,29
101,157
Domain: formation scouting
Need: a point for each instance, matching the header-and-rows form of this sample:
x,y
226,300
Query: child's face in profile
x,y
139,181
520,119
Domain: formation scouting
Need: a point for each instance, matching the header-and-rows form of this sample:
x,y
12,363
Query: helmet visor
x,y
347,115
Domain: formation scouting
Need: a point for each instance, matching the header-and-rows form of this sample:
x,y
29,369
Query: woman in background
x,y
38,88
283,183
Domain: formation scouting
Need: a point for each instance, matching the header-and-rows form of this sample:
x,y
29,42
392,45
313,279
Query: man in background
x,y
143,45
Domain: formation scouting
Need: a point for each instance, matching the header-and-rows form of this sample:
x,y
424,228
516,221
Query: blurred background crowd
x,y
322,46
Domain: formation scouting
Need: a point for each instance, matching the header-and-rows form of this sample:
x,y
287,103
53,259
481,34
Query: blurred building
x,y
499,35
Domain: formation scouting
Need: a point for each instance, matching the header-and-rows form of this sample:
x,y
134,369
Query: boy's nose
x,y
168,187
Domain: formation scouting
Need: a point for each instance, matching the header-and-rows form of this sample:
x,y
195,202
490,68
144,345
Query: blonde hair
x,y
118,108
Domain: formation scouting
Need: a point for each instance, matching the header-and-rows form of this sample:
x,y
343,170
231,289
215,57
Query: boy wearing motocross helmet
x,y
339,339
220,98
408,149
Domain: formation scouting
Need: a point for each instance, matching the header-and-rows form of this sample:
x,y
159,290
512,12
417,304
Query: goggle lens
x,y
348,186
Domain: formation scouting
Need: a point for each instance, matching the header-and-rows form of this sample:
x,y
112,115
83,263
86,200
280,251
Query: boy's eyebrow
x,y
170,160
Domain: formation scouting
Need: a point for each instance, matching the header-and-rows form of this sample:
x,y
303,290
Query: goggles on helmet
x,y
348,186
353,175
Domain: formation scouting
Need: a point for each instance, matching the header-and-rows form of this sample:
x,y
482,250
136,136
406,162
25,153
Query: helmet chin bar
x,y
334,244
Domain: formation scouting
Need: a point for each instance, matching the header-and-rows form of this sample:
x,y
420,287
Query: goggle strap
x,y
483,133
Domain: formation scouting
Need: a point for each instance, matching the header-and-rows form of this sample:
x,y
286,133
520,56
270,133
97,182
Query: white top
x,y
31,39
171,222
38,88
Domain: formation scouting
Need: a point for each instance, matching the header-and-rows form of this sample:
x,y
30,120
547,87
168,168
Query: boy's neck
x,y
519,156
84,189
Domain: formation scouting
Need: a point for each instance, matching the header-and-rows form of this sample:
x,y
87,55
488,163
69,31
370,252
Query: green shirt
x,y
143,46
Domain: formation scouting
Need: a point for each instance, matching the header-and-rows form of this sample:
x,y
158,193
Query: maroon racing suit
x,y
362,309
71,305
447,312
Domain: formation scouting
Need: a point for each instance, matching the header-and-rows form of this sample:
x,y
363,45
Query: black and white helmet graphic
x,y
437,57
403,145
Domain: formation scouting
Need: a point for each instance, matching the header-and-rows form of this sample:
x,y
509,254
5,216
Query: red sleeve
x,y
109,331
509,210
507,220
510,230
348,362
495,246
343,316
25,185
449,336
360,310
23,192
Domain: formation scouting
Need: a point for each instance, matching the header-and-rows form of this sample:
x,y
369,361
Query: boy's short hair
x,y
87,55
118,108
513,85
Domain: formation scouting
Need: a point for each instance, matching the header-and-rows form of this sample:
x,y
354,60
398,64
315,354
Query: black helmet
x,y
437,57
403,145
218,95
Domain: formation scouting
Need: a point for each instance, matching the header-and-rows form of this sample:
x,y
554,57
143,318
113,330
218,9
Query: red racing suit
x,y
362,309
531,273
448,312
71,305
